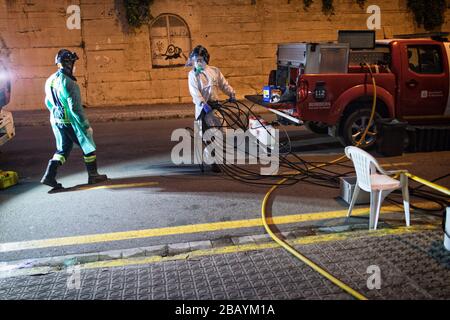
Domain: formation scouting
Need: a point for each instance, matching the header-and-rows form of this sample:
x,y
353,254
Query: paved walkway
x,y
412,263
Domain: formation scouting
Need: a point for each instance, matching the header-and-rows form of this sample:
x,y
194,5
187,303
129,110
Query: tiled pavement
x,y
412,266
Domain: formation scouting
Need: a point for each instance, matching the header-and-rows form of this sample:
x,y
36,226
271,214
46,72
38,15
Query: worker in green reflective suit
x,y
69,124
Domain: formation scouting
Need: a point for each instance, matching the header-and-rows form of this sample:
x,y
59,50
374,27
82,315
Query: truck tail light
x,y
302,91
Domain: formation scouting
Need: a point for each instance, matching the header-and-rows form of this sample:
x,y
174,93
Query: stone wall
x,y
115,67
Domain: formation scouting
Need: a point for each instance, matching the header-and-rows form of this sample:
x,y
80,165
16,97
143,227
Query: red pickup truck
x,y
412,85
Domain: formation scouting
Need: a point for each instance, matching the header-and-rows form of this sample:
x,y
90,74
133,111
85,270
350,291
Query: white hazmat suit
x,y
204,87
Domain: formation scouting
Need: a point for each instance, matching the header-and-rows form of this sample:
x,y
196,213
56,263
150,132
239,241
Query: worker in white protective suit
x,y
205,81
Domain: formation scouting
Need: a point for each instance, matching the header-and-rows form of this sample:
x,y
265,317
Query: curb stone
x,y
166,250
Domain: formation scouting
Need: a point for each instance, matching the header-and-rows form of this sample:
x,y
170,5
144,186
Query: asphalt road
x,y
151,192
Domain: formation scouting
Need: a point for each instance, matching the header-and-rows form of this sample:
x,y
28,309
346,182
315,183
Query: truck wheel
x,y
354,126
316,127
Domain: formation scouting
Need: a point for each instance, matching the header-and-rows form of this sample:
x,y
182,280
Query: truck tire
x,y
353,127
316,127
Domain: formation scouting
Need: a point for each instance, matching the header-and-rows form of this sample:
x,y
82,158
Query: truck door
x,y
424,83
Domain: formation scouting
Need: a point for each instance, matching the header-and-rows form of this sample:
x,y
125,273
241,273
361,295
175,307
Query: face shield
x,y
198,63
198,59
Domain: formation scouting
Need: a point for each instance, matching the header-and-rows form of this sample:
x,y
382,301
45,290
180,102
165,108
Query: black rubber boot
x,y
94,176
49,177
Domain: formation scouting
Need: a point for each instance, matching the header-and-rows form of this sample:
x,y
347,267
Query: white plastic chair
x,y
372,178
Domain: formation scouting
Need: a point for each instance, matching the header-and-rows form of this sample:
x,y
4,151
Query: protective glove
x,y
232,98
206,108
90,131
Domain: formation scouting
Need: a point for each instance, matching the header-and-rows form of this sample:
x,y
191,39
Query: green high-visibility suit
x,y
69,124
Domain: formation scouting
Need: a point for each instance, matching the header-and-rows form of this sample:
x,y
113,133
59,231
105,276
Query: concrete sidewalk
x,y
106,114
119,113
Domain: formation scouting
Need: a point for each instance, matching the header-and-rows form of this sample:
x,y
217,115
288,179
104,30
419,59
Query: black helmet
x,y
66,58
200,51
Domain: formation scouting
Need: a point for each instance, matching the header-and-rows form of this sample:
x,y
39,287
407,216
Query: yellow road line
x,y
185,229
308,240
119,186
404,164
